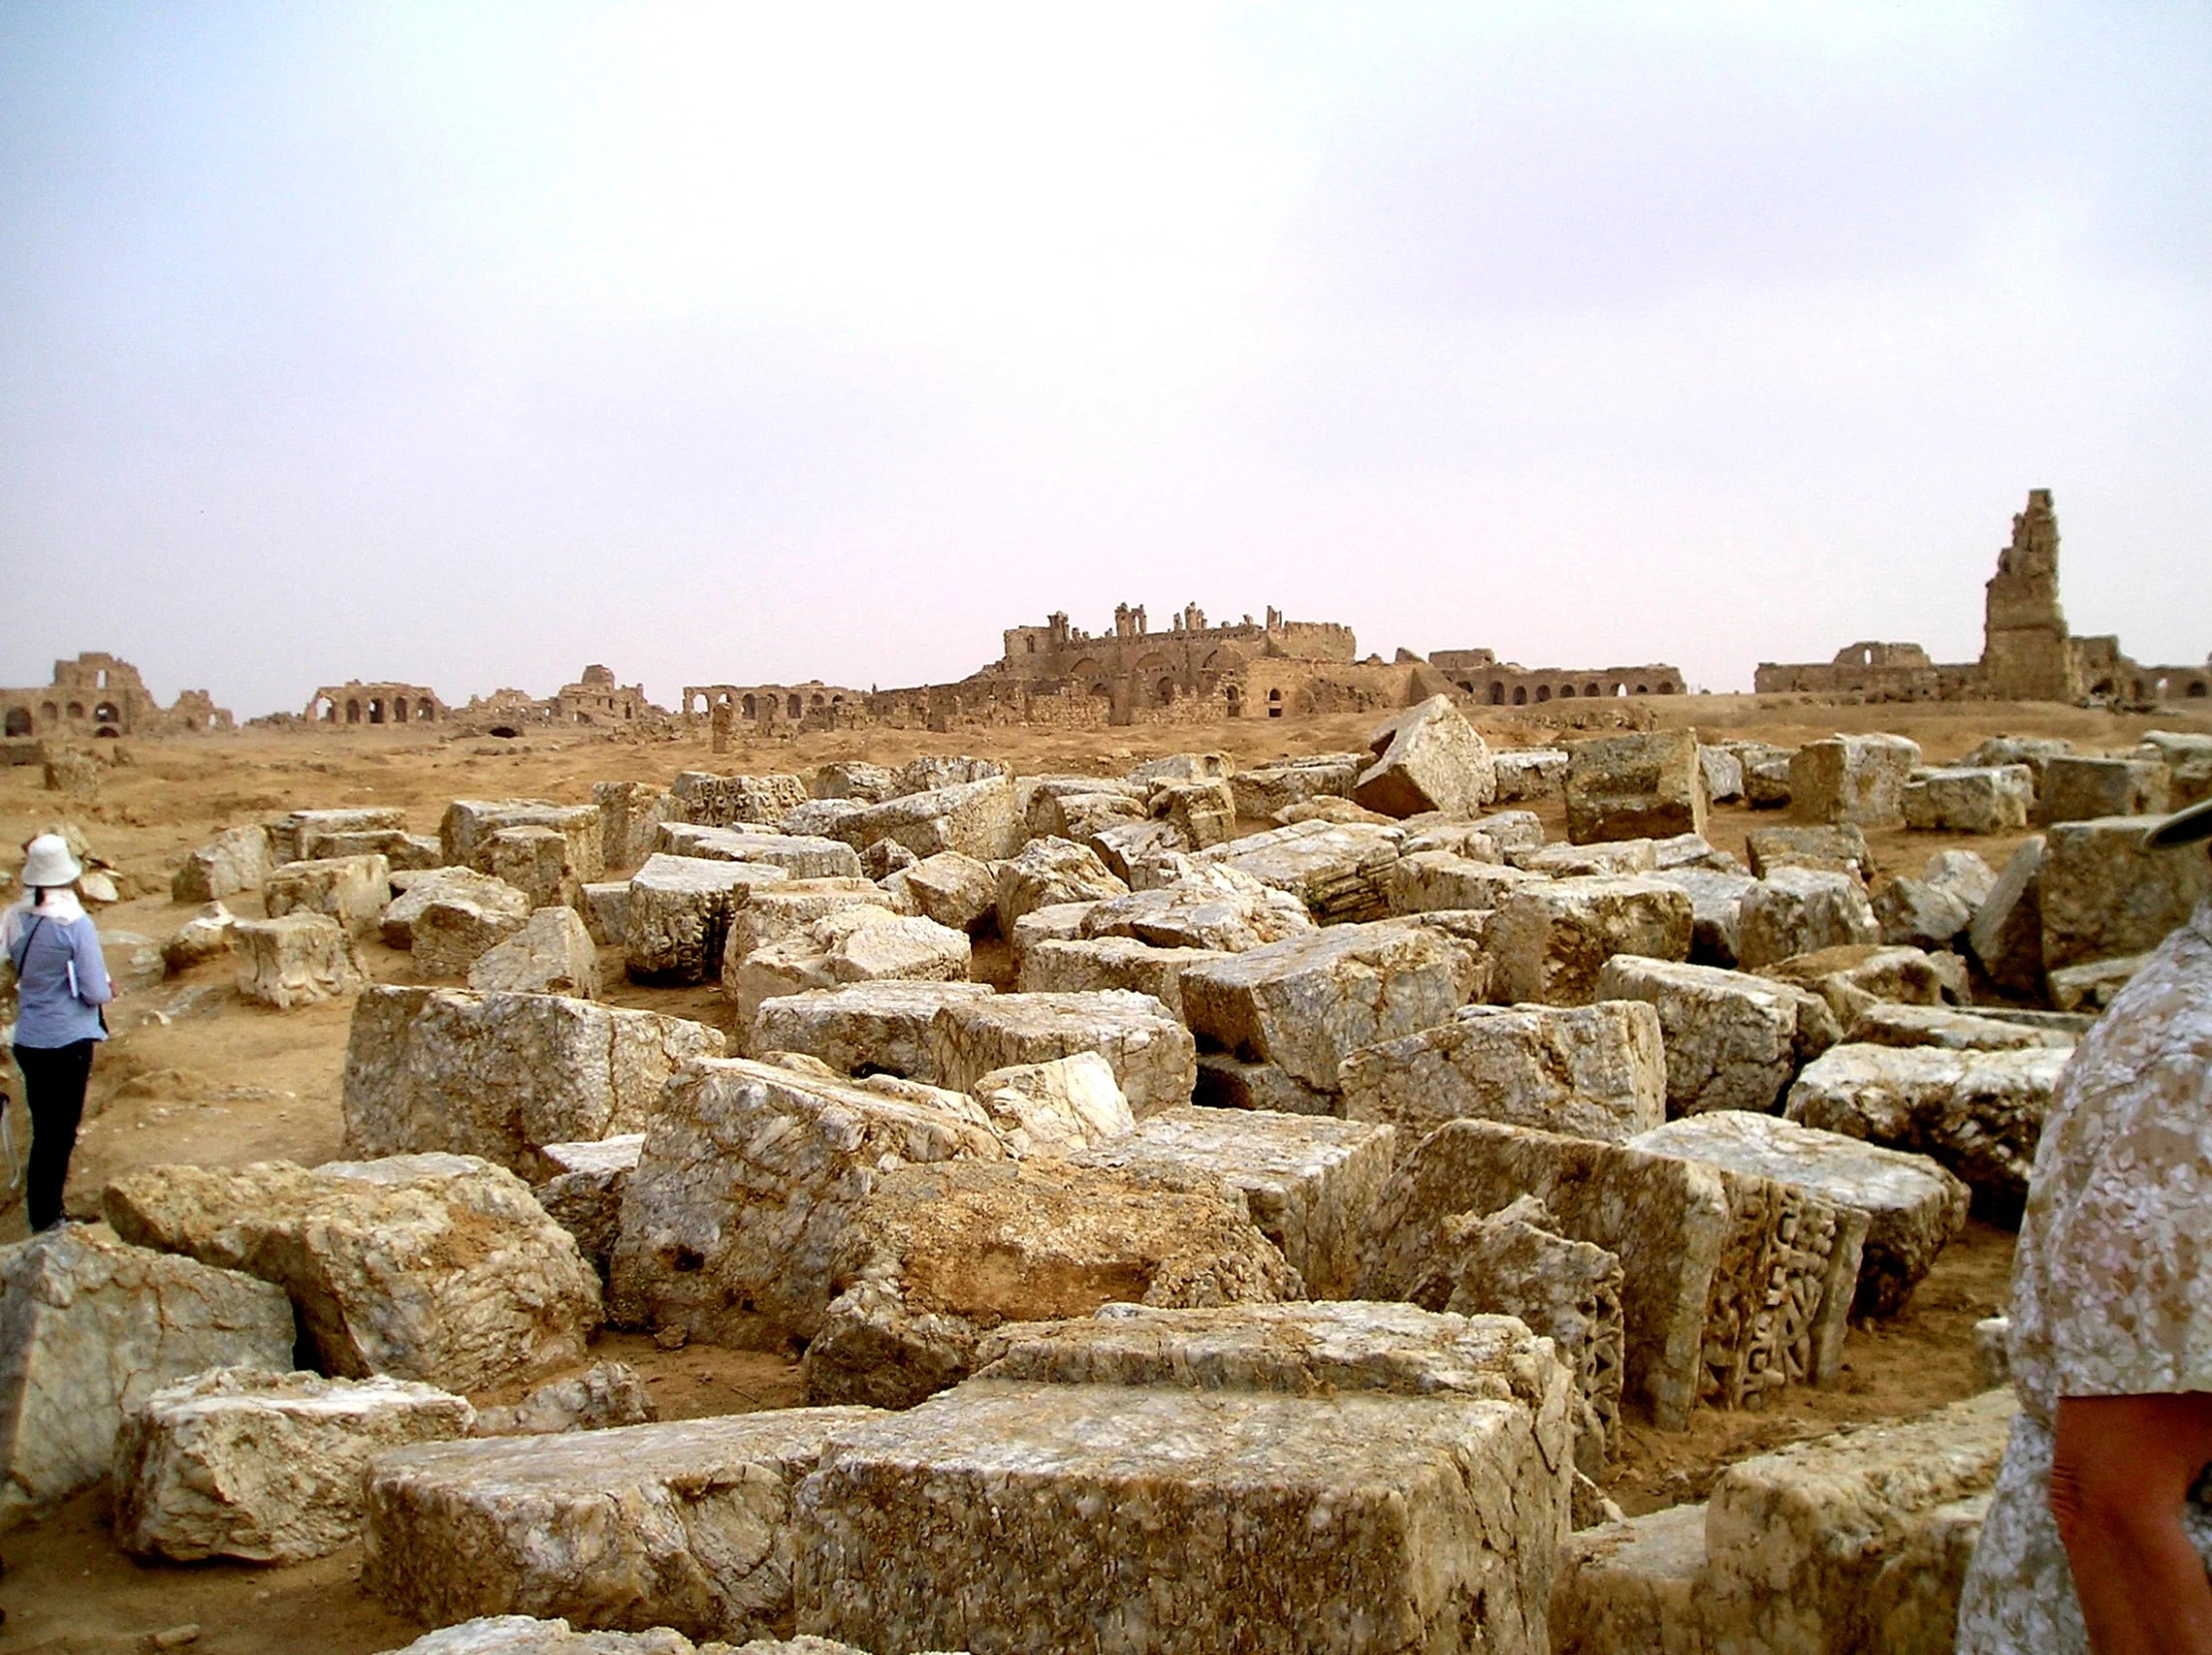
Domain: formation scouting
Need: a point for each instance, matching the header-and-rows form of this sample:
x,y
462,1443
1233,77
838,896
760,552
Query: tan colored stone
x,y
874,1028
494,897
1153,1058
1552,940
2103,894
296,960
354,891
1055,1109
552,954
679,914
1646,785
1959,800
1340,872
977,819
1854,779
1212,907
800,855
1049,872
1835,848
2079,789
1427,758
234,860
949,888
2006,936
1801,910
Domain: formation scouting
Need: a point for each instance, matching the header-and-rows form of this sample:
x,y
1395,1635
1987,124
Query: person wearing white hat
x,y
61,985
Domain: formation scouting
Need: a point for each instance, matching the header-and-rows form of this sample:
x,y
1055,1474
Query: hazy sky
x,y
467,343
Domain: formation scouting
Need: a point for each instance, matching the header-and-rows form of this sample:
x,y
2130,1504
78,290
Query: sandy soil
x,y
197,1076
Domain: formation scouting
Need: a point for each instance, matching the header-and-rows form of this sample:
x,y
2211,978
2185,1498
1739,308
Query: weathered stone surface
x,y
1886,1024
451,931
2076,788
802,857
868,1028
603,1396
2006,936
685,1525
1532,773
1427,758
1838,847
1766,783
492,896
233,861
944,770
267,1466
1154,1057
1715,910
529,1635
433,1267
2035,751
1801,910
1978,1113
354,891
1049,872
465,830
1587,1070
1308,1183
1854,979
712,801
679,914
949,888
1724,775
1466,934
1551,940
1646,785
1339,870
552,954
1574,862
201,937
765,914
1935,910
1130,848
1112,963
502,1074
978,819
2103,894
1733,1040
935,1257
1062,923
583,1195
1183,767
1083,810
748,1174
289,831
855,779
1957,800
1228,1082
1855,779
1055,1109
1212,907
1261,792
89,1328
1914,1208
630,816
296,960
535,859
854,944
1427,881
1202,812
2094,987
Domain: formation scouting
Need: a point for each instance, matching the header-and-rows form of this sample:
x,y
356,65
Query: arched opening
x,y
49,712
2197,690
1543,692
1274,703
1591,690
1029,646
794,706
100,680
2103,686
817,701
1566,692
1234,698
751,707
1520,694
425,712
399,709
1669,687
1498,695
19,721
76,709
353,712
2139,696
376,709
1163,693
106,713
1620,689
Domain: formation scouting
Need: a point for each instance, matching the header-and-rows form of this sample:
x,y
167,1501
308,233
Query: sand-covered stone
x,y
679,914
233,861
1530,773
1801,910
1551,940
1154,1057
1645,784
1211,906
867,1028
201,937
1831,848
2105,894
552,954
1055,1109
603,1396
1340,872
1855,779
1733,1040
802,857
296,960
1427,758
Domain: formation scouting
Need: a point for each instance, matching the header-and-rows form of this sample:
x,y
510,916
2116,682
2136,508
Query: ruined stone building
x,y
596,698
383,702
2028,654
103,695
1481,675
772,708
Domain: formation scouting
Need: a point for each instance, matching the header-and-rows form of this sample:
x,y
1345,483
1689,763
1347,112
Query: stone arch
x,y
376,709
2197,690
751,707
1497,693
425,711
353,712
1566,692
1520,694
106,713
1543,692
76,709
1591,690
1163,693
399,709
1274,703
793,705
817,700
19,721
49,712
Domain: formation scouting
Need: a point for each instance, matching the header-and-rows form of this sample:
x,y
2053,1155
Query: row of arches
x,y
377,709
1519,695
106,717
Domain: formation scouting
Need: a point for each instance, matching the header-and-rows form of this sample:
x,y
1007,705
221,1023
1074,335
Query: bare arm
x,y
2121,1470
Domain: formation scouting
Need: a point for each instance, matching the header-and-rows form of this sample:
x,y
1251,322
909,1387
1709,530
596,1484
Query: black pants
x,y
54,1080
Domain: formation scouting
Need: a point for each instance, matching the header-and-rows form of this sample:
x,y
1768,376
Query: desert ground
x,y
193,1074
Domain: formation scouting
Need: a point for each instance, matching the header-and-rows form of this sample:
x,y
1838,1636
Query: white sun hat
x,y
47,862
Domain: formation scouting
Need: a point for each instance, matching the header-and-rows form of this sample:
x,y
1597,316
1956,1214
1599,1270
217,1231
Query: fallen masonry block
x,y
529,1635
1133,850
535,861
1914,1208
354,891
1884,1024
1532,773
1082,810
2006,936
949,888
234,860
1647,785
1568,862
679,914
802,857
1228,1082
1801,910
1062,923
855,779
1978,1113
1112,963
1724,775
1056,1108
2103,894
978,819
1916,913
1971,801
1340,872
858,943
502,1074
604,1395
2076,788
630,816
2036,752
1692,851
863,1029
1049,872
768,913
1427,758
1731,1040
1154,1057
1183,767
1855,978
399,919
1261,792
748,1174
685,1525
455,929
1466,934
266,1466
1855,779
1551,940
465,830
201,937
433,1267
89,1327
583,1195
945,770
296,960
286,832
1588,1071
1308,1183
552,954
1838,847
1715,910
1212,907
1425,881
1766,781
1059,1239
712,801
1202,812
2095,985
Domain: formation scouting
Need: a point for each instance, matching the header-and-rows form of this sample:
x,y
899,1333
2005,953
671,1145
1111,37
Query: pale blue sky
x,y
466,343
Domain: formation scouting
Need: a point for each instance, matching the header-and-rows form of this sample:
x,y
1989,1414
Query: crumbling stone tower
x,y
2026,652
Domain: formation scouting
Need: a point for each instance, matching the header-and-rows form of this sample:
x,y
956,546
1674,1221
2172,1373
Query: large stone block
x,y
552,954
1424,881
1339,870
1647,785
800,855
1049,872
354,891
1574,862
494,897
536,861
1833,848
1532,773
1914,1208
1154,1057
439,1268
712,801
266,1466
858,943
89,1327
630,816
583,1194
288,832
978,819
1715,910
2083,788
1112,963
748,1174
1884,1024
1959,799
529,1635
868,1028
1202,811
1427,758
767,913
685,1525
1262,792
1801,910
1855,779
296,960
949,888
502,1075
1308,1183
1935,910
679,914
1587,1070
1551,940
1211,906
2006,936
2103,894
1733,1040
1056,1107
234,860
1855,978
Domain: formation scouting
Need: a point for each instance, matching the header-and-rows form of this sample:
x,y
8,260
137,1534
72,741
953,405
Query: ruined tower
x,y
2026,654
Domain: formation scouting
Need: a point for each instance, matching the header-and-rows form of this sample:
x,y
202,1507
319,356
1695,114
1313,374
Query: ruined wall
x,y
1485,680
596,698
97,695
2024,647
386,701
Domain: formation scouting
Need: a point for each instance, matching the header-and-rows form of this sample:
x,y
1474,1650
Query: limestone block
x,y
287,831
1062,923
1572,862
296,960
603,1396
584,1192
685,1525
433,1267
1887,1024
2188,761
1307,1002
1645,784
1112,963
1733,1040
1427,758
1049,872
1056,1107
1261,792
1917,914
1854,779
977,819
2095,985
870,1028
606,912
1340,872
748,1174
89,1328
1914,1208
316,843
495,899
1715,910
1993,1348
2083,789
234,860
1551,940
944,770
803,857
858,944
354,891
952,890
1588,1071
1081,815
1487,839
535,859
679,914
822,818
267,1466
201,937
1963,873
529,1635
1466,934
1978,1113
1766,784
1130,848
768,913
502,1075
2103,894
713,800
1801,910
2036,752
552,954
1724,775
1154,1057
855,779
468,823
2006,937
1183,767
1228,1082
453,931
1202,812
1213,906
1633,1585
1838,847
630,815
1957,800
1532,773
1854,979
1054,1239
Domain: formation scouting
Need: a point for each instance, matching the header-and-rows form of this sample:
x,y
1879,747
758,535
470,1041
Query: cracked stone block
x,y
1082,812
1957,800
2095,985
233,861
1049,872
1425,881
1914,1208
1262,792
712,801
1228,1082
1733,1040
296,960
858,943
800,855
2006,936
1056,1108
978,819
1838,847
1646,785
1801,910
1154,1057
452,928
765,914
1308,1183
630,816
89,1327
604,1395
1724,775
286,832
201,937
1212,907
1552,940
1340,872
1855,978
552,954
685,1524
1884,1024
2105,895
583,1194
1855,779
949,888
1570,861
354,891
748,1174
1715,910
1915,913
433,1267
2079,788
679,914
2036,752
465,830
1532,773
502,1075
535,861
265,1466
399,919
1112,963
1202,812
1427,758
863,1029
1589,1071
1183,767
